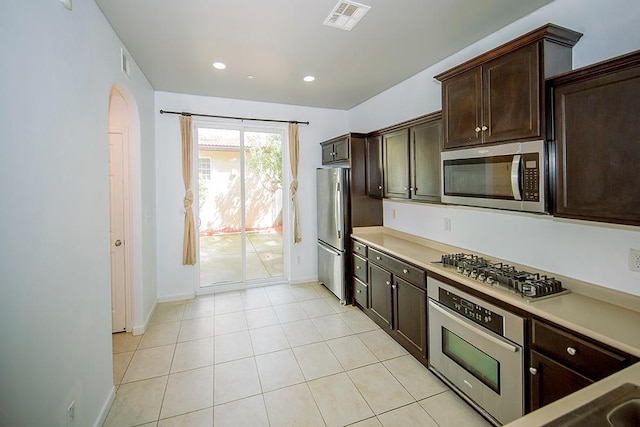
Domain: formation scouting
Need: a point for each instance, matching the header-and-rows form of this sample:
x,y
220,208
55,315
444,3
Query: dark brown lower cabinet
x,y
397,301
410,314
551,381
380,293
563,362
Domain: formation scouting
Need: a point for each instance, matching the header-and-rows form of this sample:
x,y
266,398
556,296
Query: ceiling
x,y
278,42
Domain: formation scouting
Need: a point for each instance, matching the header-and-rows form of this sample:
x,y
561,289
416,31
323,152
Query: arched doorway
x,y
121,243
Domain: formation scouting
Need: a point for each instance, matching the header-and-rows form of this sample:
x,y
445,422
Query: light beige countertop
x,y
614,321
606,315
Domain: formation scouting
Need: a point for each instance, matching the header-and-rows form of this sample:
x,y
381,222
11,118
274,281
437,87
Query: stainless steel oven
x,y
507,176
476,348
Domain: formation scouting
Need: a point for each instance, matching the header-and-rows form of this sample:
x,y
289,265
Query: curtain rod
x,y
183,113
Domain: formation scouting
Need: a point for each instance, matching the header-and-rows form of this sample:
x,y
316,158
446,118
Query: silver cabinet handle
x,y
405,271
379,187
358,291
572,351
357,267
388,282
478,129
378,258
533,371
484,128
394,287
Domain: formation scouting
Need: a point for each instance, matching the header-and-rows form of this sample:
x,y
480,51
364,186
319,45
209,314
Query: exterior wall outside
x,y
220,212
588,251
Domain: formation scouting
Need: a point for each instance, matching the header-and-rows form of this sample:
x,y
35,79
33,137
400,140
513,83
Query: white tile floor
x,y
274,356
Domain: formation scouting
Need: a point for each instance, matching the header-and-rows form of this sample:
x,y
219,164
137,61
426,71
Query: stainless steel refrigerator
x,y
334,229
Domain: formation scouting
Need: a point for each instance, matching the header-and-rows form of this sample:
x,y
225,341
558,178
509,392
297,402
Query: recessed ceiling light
x,y
219,65
250,77
308,79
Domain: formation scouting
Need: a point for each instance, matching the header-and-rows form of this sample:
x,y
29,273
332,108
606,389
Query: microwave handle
x,y
515,177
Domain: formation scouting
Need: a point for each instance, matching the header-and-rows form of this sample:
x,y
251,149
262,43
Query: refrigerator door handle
x,y
336,210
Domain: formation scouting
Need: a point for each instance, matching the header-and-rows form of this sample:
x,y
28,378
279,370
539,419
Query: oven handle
x,y
515,177
476,329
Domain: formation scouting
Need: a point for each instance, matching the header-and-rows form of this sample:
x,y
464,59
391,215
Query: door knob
x,y
533,371
484,128
118,242
477,129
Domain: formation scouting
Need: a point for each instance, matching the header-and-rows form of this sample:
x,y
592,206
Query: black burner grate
x,y
524,283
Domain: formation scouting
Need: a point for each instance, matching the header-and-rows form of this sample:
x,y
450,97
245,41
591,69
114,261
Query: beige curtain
x,y
189,240
294,154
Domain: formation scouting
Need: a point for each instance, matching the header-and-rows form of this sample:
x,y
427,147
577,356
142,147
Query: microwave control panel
x,y
477,313
531,178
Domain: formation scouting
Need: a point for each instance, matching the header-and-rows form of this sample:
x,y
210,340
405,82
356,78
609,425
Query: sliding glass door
x,y
240,205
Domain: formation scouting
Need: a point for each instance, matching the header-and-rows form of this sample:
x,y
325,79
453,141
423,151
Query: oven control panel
x,y
477,313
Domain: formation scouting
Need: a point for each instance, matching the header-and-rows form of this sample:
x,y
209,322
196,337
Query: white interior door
x,y
117,243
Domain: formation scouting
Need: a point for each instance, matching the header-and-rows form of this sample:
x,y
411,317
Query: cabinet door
x,y
598,148
374,167
395,154
511,95
410,314
380,292
462,109
425,161
327,153
551,381
341,149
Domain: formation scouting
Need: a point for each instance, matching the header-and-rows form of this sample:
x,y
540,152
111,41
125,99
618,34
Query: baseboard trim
x,y
302,280
104,411
177,297
139,330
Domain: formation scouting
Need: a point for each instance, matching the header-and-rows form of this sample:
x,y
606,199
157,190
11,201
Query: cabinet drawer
x,y
361,293
577,354
397,267
360,248
360,268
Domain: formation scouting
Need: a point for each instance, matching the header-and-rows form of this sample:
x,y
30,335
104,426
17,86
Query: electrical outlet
x,y
298,260
447,224
394,214
71,413
634,260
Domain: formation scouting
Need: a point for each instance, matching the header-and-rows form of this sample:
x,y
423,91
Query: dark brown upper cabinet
x,y
374,166
411,159
395,164
338,150
597,141
500,96
425,147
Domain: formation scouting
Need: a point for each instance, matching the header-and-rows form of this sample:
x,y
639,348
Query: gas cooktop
x,y
530,286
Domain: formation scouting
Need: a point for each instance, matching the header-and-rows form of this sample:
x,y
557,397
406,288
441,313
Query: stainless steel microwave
x,y
507,176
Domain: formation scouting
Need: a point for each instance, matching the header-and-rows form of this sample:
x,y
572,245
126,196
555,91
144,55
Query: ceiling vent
x,y
346,15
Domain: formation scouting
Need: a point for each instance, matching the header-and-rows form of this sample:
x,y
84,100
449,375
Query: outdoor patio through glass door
x,y
239,205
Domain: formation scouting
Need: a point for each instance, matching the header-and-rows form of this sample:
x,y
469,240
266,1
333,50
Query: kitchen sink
x,y
619,407
626,414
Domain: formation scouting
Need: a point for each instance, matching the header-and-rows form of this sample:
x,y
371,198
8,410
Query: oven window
x,y
481,365
485,177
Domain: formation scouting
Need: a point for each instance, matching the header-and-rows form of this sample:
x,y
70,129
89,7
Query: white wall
x,y
178,281
592,252
57,70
